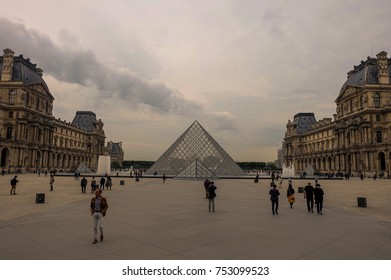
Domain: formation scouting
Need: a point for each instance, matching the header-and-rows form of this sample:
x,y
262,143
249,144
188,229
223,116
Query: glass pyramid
x,y
196,154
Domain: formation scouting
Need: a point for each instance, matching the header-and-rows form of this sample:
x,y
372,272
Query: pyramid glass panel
x,y
196,148
196,170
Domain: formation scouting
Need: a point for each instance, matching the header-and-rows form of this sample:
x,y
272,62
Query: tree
x,y
115,165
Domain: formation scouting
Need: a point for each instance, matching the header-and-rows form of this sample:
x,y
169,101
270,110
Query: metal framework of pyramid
x,y
195,154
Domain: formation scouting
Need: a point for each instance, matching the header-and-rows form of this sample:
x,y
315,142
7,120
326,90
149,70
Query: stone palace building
x,y
31,138
356,139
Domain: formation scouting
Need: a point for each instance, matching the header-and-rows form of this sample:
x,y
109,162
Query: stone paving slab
x,y
152,220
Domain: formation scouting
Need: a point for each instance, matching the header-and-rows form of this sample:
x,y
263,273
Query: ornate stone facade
x,y
115,151
30,136
356,139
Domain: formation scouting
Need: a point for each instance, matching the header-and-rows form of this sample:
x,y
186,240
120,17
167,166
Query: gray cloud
x,y
82,67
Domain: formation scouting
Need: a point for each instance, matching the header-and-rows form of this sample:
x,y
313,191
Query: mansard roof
x,y
116,148
304,122
85,120
366,73
26,72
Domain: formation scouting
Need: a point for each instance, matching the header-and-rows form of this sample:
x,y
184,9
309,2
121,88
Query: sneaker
x,y
93,242
101,238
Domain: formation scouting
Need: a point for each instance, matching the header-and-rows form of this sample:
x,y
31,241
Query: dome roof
x,y
26,72
364,74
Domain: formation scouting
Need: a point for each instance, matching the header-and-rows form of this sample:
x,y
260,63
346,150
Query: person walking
x,y
102,183
93,184
290,193
279,182
109,183
211,196
13,182
206,186
309,195
256,178
98,208
164,178
274,193
83,184
318,193
51,182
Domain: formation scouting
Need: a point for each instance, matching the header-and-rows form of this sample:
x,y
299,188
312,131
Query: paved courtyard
x,y
152,220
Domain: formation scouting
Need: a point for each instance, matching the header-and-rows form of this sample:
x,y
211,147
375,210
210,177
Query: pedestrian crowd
x,y
313,196
98,205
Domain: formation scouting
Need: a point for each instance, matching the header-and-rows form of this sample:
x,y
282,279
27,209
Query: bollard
x,y
361,201
301,189
40,198
122,182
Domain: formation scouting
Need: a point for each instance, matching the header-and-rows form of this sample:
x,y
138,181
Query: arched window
x,y
376,100
12,97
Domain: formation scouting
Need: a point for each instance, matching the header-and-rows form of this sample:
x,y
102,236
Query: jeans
x,y
274,206
310,204
319,205
212,204
97,218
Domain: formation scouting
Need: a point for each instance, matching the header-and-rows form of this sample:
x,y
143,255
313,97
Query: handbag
x,y
291,198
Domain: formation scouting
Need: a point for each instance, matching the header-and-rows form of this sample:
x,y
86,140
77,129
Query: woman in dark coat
x,y
212,195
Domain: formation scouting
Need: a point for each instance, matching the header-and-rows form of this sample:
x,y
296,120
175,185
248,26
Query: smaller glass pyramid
x,y
195,154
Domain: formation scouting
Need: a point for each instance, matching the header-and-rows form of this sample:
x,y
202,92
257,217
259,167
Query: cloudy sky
x,y
150,68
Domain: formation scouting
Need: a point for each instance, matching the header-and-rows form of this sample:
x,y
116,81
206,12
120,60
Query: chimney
x,y
8,64
382,63
39,71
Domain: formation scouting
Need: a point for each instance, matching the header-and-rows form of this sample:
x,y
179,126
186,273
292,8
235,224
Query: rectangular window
x,y
378,118
379,136
9,132
10,114
12,97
